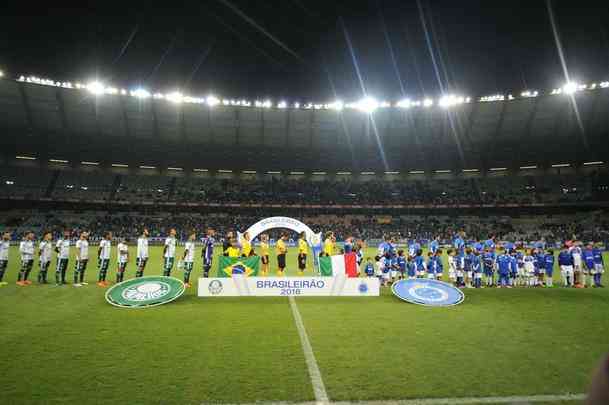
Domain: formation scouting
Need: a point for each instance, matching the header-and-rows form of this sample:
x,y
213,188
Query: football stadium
x,y
194,213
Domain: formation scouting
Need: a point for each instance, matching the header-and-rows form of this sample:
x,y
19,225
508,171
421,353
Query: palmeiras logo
x,y
427,292
215,287
145,292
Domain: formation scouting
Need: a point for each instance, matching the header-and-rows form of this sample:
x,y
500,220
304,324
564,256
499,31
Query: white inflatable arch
x,y
313,239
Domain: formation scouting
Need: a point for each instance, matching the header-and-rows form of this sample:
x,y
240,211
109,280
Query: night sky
x,y
299,50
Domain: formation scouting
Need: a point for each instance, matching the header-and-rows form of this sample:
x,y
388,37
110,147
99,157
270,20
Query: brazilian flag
x,y
229,266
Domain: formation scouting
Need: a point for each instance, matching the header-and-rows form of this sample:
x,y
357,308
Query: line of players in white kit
x,y
27,251
486,264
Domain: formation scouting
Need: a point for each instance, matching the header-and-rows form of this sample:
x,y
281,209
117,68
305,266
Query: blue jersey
x,y
509,246
419,263
565,258
385,248
588,257
208,249
467,262
458,243
411,268
476,264
369,269
540,260
401,263
488,258
348,247
490,244
598,256
386,264
434,245
503,264
513,264
439,263
520,258
460,261
478,247
549,262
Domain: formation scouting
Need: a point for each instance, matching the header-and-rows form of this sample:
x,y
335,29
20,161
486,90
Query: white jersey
x,y
452,266
170,244
105,246
45,251
4,248
576,252
64,248
142,248
26,248
190,252
82,249
123,252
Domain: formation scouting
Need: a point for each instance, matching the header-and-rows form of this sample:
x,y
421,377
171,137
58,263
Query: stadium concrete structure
x,y
65,136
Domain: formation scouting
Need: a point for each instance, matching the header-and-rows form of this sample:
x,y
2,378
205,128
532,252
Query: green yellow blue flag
x,y
247,266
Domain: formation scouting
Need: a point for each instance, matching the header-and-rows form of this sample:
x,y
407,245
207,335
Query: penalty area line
x,y
319,389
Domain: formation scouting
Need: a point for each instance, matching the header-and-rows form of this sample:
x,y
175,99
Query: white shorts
x,y
521,271
394,273
577,262
452,275
470,274
430,276
477,275
459,273
598,269
386,276
566,270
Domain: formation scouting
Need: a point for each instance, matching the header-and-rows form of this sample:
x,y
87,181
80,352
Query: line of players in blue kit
x,y
486,264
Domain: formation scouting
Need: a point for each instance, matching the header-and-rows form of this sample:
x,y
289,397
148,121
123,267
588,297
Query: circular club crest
x,y
145,292
427,292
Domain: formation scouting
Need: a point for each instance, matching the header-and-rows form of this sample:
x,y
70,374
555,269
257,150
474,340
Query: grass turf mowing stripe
x,y
316,381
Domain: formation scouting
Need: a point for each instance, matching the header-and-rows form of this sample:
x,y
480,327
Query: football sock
x,y
139,272
2,274
187,276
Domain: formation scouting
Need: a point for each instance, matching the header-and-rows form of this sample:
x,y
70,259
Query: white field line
x,y
319,389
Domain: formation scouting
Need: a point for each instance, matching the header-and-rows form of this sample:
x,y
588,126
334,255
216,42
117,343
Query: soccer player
x,y
549,268
369,268
529,268
303,249
432,265
386,269
488,260
440,265
576,252
540,260
452,266
477,269
467,267
62,247
264,253
103,258
5,245
329,244
434,245
588,260
233,248
246,246
348,245
401,259
565,261
513,268
226,243
419,263
82,258
599,267
122,258
188,258
460,267
169,252
142,253
411,268
207,253
26,249
281,249
503,268
45,250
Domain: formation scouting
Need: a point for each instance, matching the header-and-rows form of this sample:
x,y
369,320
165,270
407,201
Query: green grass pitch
x,y
67,345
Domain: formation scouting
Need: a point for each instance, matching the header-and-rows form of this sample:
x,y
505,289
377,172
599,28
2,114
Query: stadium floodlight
x,y
392,172
337,105
200,170
177,169
158,96
442,171
319,173
273,172
561,165
141,93
147,167
296,105
604,85
58,161
570,87
343,173
297,173
267,104
366,104
528,167
249,172
9,182
385,104
404,103
367,173
595,163
123,92
84,188
122,165
175,97
427,102
450,100
498,169
95,87
69,186
529,93
212,100
225,171
225,102
87,163
22,157
1,73
470,170
282,104
416,172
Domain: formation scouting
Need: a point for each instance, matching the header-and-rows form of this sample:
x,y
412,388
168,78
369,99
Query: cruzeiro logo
x,y
147,291
427,292
215,287
363,287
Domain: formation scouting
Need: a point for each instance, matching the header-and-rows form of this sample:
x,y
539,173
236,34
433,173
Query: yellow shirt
x,y
302,246
328,247
246,247
264,248
280,247
232,252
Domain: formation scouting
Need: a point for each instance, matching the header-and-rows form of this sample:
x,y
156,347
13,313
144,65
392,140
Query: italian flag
x,y
331,266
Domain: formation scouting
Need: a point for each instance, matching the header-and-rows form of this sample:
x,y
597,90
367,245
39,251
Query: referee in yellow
x,y
281,250
329,244
303,249
246,246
